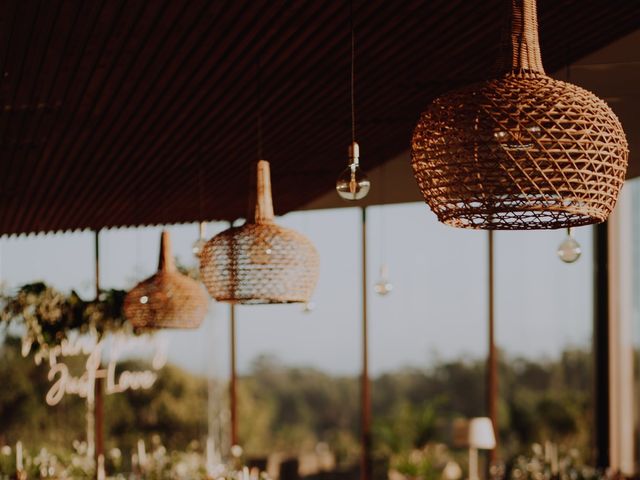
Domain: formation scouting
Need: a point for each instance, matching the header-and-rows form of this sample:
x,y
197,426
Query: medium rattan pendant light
x,y
260,262
521,151
167,299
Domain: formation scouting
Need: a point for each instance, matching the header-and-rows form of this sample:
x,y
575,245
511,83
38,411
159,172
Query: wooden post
x,y
492,361
366,461
233,395
99,383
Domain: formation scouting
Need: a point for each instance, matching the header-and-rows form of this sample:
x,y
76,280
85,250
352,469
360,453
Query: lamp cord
x,y
353,61
259,94
200,161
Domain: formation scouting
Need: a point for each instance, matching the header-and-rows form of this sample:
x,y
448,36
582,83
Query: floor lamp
x,y
481,437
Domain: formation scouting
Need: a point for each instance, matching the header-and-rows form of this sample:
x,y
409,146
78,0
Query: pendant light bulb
x,y
383,286
353,184
199,244
569,250
308,307
197,247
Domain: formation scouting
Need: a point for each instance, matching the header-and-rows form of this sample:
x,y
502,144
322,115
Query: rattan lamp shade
x,y
521,151
167,299
260,262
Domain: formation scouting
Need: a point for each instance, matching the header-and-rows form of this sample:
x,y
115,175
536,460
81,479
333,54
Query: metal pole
x,y
366,463
492,361
233,395
99,382
601,432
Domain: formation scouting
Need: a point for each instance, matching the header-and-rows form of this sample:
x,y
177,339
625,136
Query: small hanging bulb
x,y
353,184
569,250
308,307
383,286
199,244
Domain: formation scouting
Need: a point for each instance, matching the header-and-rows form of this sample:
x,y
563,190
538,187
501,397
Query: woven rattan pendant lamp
x,y
167,299
520,151
260,262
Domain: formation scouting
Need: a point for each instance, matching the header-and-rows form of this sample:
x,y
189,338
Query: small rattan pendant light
x,y
521,151
167,299
260,262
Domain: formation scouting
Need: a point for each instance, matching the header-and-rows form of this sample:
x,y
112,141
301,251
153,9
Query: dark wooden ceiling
x,y
131,112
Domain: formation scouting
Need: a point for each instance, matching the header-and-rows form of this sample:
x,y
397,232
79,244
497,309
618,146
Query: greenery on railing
x,y
47,316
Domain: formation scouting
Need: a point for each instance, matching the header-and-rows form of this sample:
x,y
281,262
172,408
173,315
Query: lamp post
x,y
366,463
98,405
233,394
492,362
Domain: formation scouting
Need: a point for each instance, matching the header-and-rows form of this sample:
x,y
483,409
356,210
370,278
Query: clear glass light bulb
x,y
569,250
353,184
518,138
383,286
308,307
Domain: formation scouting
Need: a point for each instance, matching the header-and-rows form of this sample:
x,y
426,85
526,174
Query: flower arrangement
x,y
157,464
433,462
563,464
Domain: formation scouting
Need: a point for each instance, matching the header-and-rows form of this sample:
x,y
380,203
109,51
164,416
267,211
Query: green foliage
x,y
291,409
295,408
23,413
48,316
426,463
175,409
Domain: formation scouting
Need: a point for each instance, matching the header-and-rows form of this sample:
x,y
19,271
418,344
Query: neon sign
x,y
108,351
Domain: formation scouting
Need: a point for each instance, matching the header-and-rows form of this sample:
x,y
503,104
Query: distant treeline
x,y
291,409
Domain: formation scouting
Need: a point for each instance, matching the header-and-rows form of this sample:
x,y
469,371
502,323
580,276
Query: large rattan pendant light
x,y
260,262
521,151
167,299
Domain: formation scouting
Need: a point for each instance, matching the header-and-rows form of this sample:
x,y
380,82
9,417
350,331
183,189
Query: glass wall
x,y
299,363
299,366
544,329
428,341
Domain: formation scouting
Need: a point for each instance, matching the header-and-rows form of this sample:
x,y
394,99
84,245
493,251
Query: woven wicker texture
x,y
260,262
167,299
522,151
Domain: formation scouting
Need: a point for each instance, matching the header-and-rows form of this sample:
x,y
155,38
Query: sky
x,y
436,311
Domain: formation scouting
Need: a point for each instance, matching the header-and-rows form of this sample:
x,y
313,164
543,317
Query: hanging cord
x,y
353,61
259,100
200,161
382,215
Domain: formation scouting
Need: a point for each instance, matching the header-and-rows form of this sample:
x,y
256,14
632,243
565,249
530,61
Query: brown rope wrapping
x,y
260,262
522,151
520,49
167,299
263,212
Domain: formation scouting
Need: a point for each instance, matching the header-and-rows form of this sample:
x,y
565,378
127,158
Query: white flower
x,y
182,469
236,451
